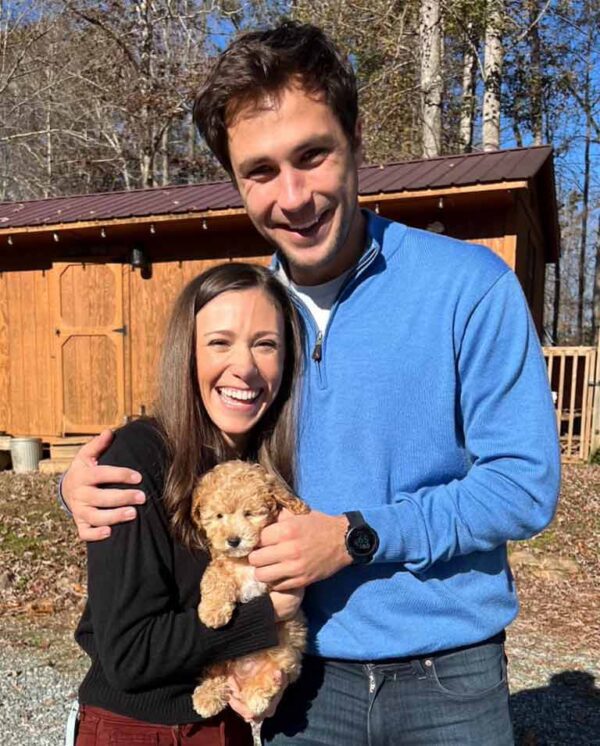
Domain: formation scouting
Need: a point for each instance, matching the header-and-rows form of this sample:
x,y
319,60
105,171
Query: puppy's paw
x,y
208,700
258,703
258,694
215,616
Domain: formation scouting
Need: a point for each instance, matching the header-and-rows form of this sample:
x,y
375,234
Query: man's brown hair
x,y
260,63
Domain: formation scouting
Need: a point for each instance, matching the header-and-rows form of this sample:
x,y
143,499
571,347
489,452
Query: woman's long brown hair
x,y
194,443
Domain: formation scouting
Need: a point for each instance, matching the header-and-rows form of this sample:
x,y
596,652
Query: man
x,y
427,436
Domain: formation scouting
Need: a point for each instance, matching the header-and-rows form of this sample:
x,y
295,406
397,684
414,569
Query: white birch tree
x,y
468,90
430,39
493,55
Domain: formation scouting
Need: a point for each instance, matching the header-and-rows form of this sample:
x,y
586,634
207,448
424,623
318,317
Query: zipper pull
x,y
318,348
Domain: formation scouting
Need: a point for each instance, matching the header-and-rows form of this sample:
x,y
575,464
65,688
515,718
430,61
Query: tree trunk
x,y
584,216
536,93
126,175
164,155
493,75
148,149
431,78
517,133
596,294
191,149
556,308
146,170
49,154
468,92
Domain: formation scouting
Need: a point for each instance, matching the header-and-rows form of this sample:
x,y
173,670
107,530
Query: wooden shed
x,y
86,282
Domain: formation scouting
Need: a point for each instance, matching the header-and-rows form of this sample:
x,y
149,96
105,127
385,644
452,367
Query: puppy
x,y
231,505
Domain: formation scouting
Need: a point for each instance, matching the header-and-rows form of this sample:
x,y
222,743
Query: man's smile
x,y
308,230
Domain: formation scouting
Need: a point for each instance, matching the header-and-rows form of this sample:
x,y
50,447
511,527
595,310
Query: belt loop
x,y
175,735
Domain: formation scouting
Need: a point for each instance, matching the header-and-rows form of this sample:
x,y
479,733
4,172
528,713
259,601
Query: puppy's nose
x,y
234,541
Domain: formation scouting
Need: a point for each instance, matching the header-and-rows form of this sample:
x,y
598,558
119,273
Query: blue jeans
x,y
458,699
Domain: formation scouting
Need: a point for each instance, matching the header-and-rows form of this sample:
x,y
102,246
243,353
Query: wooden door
x,y
26,350
89,338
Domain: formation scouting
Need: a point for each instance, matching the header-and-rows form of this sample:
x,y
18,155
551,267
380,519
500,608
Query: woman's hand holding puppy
x,y
286,603
237,703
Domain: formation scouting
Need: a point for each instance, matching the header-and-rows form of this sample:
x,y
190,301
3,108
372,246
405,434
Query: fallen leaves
x,y
558,572
42,560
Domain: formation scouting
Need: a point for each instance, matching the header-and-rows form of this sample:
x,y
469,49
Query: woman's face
x,y
240,352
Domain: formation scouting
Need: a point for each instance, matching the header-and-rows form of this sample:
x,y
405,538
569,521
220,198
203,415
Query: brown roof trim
x,y
136,220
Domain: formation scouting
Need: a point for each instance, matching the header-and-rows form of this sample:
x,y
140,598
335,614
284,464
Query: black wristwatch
x,y
361,540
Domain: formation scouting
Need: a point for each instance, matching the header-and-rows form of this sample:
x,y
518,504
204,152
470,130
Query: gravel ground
x,y
554,700
35,696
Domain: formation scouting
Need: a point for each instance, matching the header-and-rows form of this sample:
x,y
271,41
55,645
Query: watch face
x,y
362,540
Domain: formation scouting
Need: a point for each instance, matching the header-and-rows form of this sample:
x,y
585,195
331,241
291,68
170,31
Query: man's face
x,y
296,171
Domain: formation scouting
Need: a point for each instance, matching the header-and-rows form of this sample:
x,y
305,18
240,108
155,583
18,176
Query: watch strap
x,y
355,519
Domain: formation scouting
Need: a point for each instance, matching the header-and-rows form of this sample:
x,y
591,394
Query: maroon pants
x,y
98,727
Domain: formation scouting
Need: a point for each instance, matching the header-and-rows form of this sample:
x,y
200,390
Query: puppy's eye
x,y
247,513
219,516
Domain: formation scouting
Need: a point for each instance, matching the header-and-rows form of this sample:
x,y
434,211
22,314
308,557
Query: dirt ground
x,y
553,647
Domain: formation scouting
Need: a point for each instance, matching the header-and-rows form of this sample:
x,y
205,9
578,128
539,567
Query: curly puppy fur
x,y
231,505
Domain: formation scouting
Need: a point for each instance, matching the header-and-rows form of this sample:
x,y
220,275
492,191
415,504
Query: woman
x,y
226,390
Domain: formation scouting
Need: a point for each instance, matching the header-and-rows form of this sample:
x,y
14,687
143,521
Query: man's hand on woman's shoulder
x,y
95,509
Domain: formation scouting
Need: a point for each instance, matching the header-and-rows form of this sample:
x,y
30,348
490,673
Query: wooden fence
x,y
572,374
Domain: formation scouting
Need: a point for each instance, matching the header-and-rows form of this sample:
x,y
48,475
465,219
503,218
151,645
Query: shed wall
x,y
5,388
29,368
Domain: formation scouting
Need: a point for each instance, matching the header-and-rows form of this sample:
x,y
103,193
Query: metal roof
x,y
497,167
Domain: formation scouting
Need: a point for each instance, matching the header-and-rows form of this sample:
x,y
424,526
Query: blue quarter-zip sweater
x,y
430,412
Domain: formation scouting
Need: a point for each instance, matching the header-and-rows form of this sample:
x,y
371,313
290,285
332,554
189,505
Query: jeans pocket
x,y
469,674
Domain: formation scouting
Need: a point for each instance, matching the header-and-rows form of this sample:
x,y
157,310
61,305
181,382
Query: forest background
x,y
97,95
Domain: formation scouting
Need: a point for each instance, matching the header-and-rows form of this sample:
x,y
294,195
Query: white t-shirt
x,y
317,298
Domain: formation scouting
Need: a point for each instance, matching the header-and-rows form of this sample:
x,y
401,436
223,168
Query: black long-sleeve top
x,y
140,625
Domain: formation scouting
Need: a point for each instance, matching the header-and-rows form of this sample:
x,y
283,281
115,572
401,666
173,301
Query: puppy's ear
x,y
285,499
197,498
